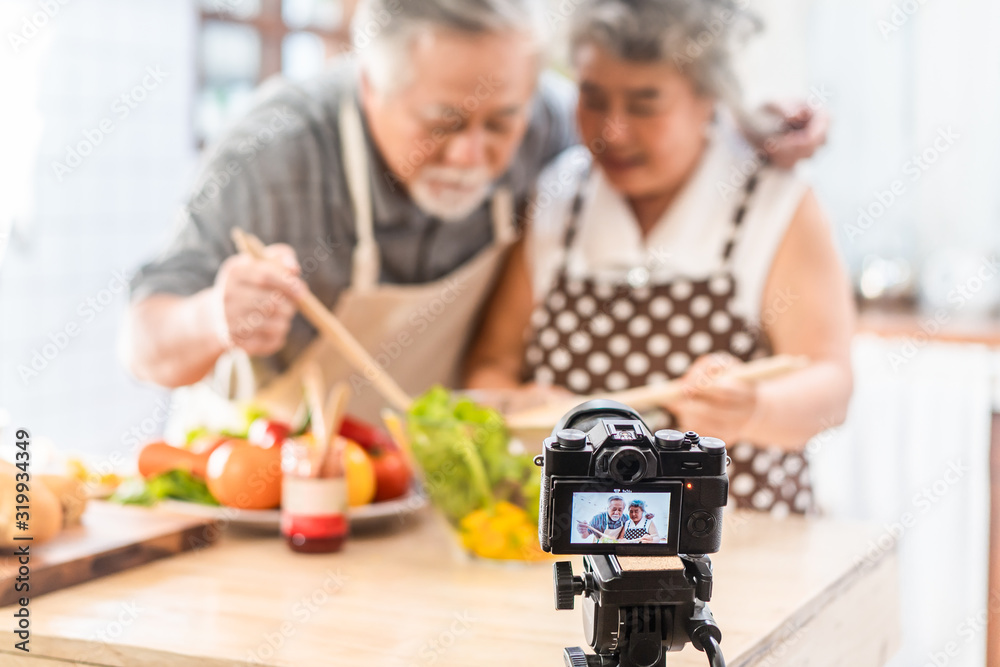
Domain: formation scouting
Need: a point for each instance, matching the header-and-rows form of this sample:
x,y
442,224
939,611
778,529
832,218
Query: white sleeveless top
x,y
689,238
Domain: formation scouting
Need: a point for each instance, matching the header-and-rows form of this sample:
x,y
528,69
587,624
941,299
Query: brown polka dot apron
x,y
633,532
591,336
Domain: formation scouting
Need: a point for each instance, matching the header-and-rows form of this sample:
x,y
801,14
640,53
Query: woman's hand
x,y
712,404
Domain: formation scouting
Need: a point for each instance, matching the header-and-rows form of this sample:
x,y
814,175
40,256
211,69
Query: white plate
x,y
364,516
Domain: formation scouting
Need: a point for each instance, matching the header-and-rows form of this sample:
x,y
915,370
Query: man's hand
x,y
804,130
583,529
712,404
254,299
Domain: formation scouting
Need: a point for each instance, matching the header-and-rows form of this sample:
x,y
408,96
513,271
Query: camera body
x,y
606,478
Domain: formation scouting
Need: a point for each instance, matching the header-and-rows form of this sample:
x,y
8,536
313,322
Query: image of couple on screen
x,y
620,523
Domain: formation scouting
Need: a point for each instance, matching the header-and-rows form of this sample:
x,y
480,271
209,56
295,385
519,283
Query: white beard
x,y
451,193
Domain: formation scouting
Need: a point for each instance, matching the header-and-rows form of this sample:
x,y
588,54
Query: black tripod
x,y
638,608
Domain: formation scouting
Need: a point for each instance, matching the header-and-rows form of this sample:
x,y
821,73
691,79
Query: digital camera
x,y
609,486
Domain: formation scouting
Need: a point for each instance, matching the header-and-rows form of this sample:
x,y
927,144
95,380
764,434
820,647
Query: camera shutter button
x,y
571,438
701,523
712,445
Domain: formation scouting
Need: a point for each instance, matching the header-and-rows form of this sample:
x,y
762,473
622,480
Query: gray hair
x,y
641,504
614,498
696,36
383,30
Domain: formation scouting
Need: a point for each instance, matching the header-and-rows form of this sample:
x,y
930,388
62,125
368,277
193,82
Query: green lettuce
x,y
464,451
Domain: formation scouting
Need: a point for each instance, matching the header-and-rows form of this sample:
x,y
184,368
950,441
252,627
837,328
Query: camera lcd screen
x,y
586,519
625,517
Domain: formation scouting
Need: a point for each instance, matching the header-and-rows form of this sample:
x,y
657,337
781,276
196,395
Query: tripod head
x,y
636,609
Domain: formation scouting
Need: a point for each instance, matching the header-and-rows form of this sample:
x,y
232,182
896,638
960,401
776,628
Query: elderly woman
x,y
666,249
639,526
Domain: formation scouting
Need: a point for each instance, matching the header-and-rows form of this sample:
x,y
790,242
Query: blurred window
x,y
243,42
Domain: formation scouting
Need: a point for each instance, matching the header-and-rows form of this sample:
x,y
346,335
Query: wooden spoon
x,y
649,396
334,331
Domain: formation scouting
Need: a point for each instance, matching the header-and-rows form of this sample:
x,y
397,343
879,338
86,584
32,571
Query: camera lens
x,y
627,465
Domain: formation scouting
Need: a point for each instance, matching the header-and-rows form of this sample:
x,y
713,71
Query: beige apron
x,y
417,333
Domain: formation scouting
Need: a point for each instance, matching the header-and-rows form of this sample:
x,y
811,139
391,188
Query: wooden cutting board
x,y
111,538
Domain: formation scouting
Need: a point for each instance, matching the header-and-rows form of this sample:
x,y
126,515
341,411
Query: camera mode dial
x,y
571,438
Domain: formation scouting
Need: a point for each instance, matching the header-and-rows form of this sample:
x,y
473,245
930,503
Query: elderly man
x,y
607,524
390,186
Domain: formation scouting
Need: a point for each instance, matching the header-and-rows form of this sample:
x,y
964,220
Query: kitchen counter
x,y
786,593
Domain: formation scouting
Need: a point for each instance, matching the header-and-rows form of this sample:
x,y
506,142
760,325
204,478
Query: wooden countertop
x,y
786,592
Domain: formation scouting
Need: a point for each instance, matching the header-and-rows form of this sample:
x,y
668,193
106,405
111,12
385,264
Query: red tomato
x,y
392,475
244,475
267,433
369,436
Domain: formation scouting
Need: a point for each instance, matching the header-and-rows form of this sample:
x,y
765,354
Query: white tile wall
x,y
106,216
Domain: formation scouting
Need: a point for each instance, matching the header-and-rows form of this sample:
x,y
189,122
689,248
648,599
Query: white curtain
x,y
897,76
913,458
